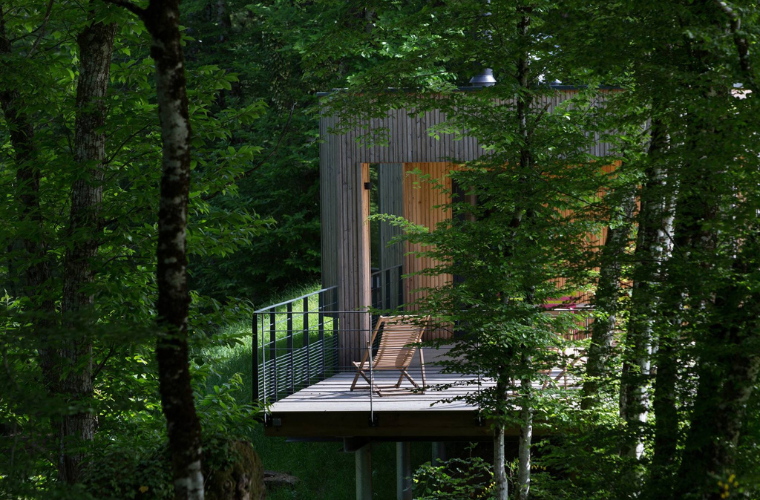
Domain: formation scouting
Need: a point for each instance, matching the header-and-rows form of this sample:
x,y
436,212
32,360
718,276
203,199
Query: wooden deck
x,y
330,409
334,394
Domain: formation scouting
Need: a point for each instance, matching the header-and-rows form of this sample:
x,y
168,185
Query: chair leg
x,y
359,371
356,378
400,379
404,373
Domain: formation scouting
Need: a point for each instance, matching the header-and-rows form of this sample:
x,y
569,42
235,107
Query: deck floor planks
x,y
334,394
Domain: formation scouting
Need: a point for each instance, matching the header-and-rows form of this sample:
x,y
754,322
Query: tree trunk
x,y
223,19
95,49
728,360
500,460
652,250
30,225
727,375
695,206
524,101
526,437
162,20
607,301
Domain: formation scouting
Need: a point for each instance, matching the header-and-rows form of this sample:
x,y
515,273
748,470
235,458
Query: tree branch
x,y
124,142
259,164
139,12
102,363
42,29
741,43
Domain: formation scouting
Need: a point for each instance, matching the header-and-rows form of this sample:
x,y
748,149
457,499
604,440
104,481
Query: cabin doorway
x,y
386,203
419,193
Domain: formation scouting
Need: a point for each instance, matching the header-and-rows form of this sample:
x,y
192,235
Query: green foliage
x,y
132,460
253,71
455,479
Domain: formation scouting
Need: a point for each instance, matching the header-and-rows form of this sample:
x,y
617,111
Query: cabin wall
x,y
328,168
341,159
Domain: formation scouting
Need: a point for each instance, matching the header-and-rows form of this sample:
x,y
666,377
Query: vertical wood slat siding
x,y
353,269
328,161
422,205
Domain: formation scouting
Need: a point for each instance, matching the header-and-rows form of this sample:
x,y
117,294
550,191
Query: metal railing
x,y
306,340
387,289
294,344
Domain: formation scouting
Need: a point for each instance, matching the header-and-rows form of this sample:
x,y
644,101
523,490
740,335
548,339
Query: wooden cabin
x,y
358,268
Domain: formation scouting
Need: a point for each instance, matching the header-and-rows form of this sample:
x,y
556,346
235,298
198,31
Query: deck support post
x,y
363,459
439,453
403,471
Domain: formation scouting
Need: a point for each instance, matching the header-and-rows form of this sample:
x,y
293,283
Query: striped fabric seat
x,y
398,334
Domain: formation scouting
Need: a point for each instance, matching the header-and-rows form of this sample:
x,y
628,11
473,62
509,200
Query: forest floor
x,y
324,469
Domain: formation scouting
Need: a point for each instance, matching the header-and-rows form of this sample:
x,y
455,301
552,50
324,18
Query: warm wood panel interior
x,y
423,204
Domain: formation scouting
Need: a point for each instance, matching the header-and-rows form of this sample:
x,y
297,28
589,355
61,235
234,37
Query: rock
x,y
243,480
274,479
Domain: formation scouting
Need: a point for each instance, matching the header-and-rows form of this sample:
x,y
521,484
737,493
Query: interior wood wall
x,y
423,205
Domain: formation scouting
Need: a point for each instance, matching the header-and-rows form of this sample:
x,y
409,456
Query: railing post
x,y
306,339
336,330
273,354
255,355
321,326
291,364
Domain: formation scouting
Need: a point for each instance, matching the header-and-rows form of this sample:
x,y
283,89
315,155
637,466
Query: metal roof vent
x,y
483,79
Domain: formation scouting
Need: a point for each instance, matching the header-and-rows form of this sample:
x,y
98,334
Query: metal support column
x,y
363,458
403,471
439,453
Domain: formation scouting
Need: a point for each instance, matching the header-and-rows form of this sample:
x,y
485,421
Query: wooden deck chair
x,y
394,353
566,353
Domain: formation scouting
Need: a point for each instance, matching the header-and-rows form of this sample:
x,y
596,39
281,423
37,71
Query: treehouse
x,y
307,350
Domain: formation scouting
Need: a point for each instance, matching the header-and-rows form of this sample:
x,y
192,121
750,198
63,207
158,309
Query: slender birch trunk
x,y
652,250
689,236
95,49
499,452
162,21
526,164
161,18
607,300
526,438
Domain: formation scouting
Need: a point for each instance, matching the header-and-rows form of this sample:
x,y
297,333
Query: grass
x,y
325,471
